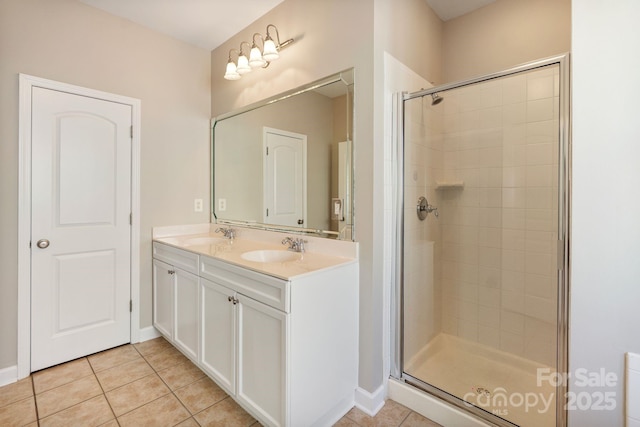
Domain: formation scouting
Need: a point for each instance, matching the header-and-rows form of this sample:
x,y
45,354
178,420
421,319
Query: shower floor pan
x,y
511,387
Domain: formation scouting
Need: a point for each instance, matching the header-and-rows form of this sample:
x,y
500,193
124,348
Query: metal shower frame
x,y
563,272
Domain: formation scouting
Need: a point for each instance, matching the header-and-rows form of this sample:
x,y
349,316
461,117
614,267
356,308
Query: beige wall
x,y
331,35
67,41
504,34
412,33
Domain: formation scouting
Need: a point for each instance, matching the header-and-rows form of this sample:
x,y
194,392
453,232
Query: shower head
x,y
436,99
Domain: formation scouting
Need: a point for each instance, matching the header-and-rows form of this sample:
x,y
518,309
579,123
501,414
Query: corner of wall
x,y
370,403
148,333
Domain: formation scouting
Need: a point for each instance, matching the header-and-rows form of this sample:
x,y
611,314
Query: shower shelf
x,y
445,185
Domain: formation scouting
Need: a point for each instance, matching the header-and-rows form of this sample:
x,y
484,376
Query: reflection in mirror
x,y
286,162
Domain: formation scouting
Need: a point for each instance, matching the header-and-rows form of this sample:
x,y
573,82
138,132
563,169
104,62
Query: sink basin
x,y
195,241
269,256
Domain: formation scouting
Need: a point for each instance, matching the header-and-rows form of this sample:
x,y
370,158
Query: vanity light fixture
x,y
243,62
232,68
255,57
258,58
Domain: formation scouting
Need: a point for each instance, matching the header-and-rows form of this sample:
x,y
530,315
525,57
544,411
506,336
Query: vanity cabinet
x,y
163,287
243,349
263,360
176,296
244,337
285,350
218,320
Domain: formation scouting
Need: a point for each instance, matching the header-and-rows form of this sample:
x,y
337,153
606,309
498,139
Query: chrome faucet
x,y
296,245
227,232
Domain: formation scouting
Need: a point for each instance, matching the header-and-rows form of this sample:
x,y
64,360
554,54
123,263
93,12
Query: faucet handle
x,y
300,244
227,232
296,245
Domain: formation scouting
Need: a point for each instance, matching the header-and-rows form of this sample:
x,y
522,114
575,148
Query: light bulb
x,y
255,57
232,73
270,53
243,65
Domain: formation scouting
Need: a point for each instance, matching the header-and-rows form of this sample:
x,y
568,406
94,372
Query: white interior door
x,y
285,178
80,226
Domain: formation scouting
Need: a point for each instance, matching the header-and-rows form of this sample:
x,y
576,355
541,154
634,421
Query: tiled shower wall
x,y
487,157
499,229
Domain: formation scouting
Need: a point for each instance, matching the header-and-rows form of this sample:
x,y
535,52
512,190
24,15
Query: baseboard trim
x,y
8,375
370,403
431,407
149,333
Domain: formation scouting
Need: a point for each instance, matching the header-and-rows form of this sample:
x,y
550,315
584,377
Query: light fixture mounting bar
x,y
259,57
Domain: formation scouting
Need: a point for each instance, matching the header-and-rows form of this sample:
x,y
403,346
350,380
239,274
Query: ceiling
x,y
203,23
449,9
209,23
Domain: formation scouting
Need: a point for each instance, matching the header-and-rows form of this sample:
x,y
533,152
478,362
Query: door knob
x,y
42,243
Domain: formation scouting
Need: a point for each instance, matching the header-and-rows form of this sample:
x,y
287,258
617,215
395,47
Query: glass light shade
x,y
255,57
243,65
270,53
232,73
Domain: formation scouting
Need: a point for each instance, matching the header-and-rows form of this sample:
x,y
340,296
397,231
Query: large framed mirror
x,y
286,163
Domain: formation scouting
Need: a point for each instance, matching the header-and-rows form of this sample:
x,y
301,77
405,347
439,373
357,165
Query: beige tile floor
x,y
146,384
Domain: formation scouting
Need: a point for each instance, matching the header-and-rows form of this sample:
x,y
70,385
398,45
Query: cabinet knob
x,y
171,272
230,298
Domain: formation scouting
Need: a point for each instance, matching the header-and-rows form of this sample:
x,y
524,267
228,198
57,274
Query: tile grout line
x,y
173,391
155,372
123,385
62,385
168,386
405,418
93,372
104,394
101,391
35,402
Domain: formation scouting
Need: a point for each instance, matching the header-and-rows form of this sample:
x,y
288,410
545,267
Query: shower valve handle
x,y
424,208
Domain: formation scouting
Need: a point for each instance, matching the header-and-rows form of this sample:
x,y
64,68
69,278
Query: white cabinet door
x,y
163,289
262,359
185,333
218,348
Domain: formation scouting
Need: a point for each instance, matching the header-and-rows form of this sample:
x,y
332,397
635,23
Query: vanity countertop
x,y
231,251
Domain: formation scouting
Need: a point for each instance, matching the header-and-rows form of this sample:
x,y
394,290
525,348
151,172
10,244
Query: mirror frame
x,y
347,77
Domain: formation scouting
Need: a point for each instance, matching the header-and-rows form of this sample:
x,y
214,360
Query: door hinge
x,y
267,211
29,244
130,306
267,151
131,219
131,131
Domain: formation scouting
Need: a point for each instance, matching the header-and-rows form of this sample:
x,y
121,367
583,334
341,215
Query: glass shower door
x,y
481,282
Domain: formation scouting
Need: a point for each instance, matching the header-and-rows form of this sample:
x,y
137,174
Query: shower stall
x,y
481,288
